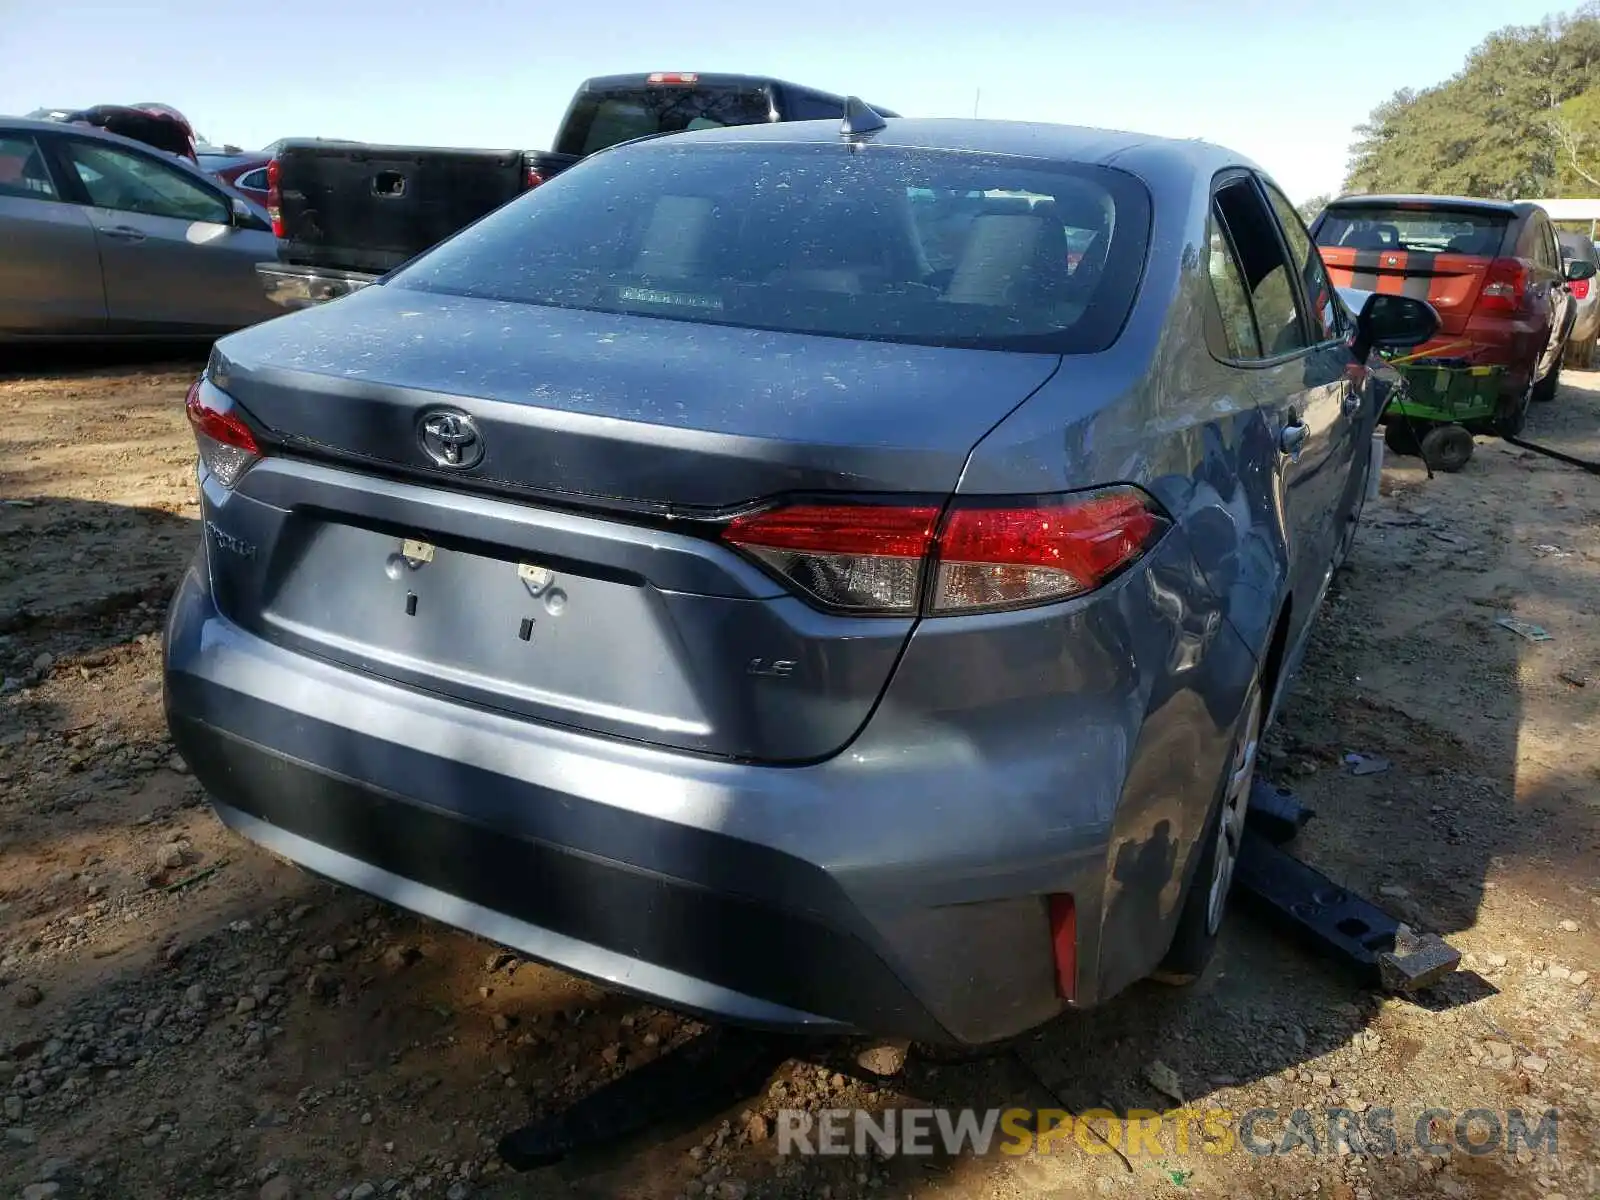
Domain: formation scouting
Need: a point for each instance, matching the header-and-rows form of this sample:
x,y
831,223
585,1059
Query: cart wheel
x,y
1399,439
1447,447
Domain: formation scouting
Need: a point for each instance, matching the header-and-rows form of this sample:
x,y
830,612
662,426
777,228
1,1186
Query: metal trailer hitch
x,y
722,1066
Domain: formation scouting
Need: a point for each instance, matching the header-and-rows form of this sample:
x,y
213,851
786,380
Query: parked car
x,y
164,128
107,237
1586,301
695,578
243,171
1490,268
347,212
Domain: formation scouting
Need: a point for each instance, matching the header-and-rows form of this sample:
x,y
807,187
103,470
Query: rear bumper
x,y
894,890
1515,345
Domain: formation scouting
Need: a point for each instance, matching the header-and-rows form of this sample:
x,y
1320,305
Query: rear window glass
x,y
1435,231
882,244
602,119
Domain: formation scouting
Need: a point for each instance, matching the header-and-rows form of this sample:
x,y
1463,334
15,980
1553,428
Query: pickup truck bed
x,y
348,213
370,208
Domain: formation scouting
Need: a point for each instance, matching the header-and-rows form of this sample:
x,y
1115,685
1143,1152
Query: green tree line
x,y
1520,120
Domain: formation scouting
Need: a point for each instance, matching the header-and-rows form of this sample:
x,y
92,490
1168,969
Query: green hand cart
x,y
1439,405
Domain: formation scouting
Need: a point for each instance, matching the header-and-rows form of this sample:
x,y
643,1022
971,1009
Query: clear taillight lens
x,y
987,555
227,447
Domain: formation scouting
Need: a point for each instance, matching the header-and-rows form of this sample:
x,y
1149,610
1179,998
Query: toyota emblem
x,y
450,438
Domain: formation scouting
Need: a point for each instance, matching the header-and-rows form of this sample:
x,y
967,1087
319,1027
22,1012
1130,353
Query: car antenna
x,y
860,120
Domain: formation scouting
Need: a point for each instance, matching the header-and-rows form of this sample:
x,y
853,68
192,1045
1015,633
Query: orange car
x,y
1491,268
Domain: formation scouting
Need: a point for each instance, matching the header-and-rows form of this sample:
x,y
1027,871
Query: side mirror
x,y
1578,268
1388,322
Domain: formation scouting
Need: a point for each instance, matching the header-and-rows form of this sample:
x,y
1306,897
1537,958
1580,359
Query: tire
x,y
1205,903
1398,438
1511,422
1580,355
1347,539
1447,447
1545,390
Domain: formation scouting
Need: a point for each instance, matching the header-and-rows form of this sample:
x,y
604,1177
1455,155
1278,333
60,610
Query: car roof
x,y
28,125
1422,203
1030,139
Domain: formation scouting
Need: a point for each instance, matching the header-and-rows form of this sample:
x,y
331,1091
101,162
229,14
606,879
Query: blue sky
x,y
1281,82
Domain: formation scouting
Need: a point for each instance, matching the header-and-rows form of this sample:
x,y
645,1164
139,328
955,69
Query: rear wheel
x,y
1347,539
1447,447
1580,355
1545,390
1511,420
1203,907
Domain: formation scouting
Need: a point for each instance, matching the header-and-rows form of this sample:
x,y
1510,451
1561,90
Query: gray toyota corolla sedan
x,y
825,579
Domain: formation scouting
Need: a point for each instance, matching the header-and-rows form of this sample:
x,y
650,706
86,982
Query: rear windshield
x,y
884,243
602,119
1435,231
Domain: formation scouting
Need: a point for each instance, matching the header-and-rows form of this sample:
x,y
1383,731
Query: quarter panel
x,y
1157,410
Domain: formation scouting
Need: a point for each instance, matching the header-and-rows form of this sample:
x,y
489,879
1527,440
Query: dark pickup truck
x,y
346,214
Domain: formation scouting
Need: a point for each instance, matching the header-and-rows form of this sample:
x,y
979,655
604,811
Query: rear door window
x,y
1240,339
1253,232
923,246
23,173
602,119
1317,290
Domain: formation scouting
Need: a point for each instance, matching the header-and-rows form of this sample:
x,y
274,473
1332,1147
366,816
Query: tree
x,y
1311,208
1487,130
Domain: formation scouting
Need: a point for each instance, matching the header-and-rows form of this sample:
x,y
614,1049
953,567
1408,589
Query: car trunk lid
x,y
1437,254
600,610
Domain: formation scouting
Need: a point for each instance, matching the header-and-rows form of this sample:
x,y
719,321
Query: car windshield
x,y
919,246
1433,231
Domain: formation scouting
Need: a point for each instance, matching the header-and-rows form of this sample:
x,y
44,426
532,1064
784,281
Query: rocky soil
x,y
182,1016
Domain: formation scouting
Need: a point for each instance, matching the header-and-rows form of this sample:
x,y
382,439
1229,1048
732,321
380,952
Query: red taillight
x,y
274,199
1505,283
534,179
1064,943
1006,557
227,447
1580,289
987,555
674,77
863,557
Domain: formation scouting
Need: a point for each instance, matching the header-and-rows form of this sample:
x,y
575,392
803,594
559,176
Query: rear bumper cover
x,y
900,887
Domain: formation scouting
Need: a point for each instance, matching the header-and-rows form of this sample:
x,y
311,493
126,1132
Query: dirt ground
x,y
183,1016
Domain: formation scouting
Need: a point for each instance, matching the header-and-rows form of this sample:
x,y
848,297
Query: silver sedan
x,y
107,238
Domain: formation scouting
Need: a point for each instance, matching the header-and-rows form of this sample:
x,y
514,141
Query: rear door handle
x,y
1292,440
125,233
1351,403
